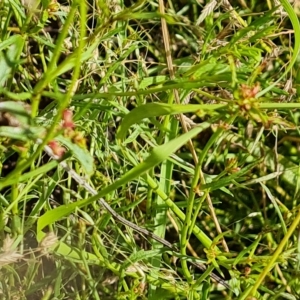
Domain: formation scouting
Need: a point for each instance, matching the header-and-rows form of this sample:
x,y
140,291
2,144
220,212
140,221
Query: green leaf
x,y
221,182
17,111
252,27
296,26
127,15
276,206
45,3
159,154
141,255
10,58
204,67
75,254
21,134
15,96
81,154
72,253
150,110
19,13
152,80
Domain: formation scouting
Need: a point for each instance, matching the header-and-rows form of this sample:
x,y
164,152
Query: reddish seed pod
x,y
57,149
68,122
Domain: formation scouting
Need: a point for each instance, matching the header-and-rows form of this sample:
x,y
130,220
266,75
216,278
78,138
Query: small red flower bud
x,y
68,122
57,149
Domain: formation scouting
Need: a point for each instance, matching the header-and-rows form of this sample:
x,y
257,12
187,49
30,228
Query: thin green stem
x,y
71,89
202,237
296,26
275,256
45,80
187,224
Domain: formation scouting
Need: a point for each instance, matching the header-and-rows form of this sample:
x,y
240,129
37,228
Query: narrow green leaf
x,y
296,26
9,59
274,202
152,80
17,110
150,110
156,156
81,154
21,134
217,184
141,255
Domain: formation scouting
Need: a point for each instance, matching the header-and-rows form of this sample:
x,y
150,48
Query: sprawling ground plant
x,y
149,149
